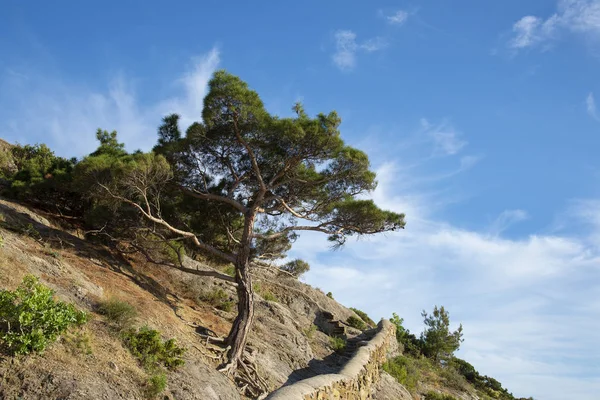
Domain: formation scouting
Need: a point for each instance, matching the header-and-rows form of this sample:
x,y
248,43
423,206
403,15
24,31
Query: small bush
x,y
265,293
229,270
404,371
453,379
79,342
363,315
438,396
156,385
269,296
356,323
310,331
296,267
217,298
119,313
147,345
330,295
337,344
30,318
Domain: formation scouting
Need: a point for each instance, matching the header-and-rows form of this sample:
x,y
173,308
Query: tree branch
x,y
199,272
190,235
250,154
209,196
283,232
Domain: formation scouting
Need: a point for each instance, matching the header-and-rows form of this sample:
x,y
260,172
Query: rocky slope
x,y
92,363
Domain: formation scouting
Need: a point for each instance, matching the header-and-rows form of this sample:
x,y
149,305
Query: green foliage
x,y
296,267
119,313
363,315
310,331
30,318
337,344
438,396
229,270
438,343
156,385
79,342
43,179
404,370
410,343
153,353
6,163
264,292
330,295
217,298
109,145
269,296
453,379
356,323
488,385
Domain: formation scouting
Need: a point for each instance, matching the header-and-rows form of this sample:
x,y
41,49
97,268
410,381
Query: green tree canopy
x,y
438,342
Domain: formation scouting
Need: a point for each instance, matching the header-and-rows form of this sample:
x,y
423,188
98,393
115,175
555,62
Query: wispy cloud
x,y
590,104
576,16
447,140
529,304
65,114
347,47
189,104
397,18
506,219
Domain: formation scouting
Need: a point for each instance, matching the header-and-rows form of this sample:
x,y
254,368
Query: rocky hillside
x,y
291,340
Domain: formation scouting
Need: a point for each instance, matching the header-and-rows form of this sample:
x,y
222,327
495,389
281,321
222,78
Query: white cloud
x,y
345,45
590,104
374,44
398,18
575,16
529,305
526,304
194,82
346,48
65,115
526,32
506,219
447,140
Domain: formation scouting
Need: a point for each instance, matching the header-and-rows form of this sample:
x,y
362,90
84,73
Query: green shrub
x,y
330,295
154,353
30,318
265,293
363,315
411,344
119,313
356,323
486,384
229,270
156,385
296,267
79,342
269,296
453,379
404,370
310,331
337,344
438,396
217,298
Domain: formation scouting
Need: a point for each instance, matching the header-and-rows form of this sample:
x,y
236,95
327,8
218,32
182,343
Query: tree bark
x,y
243,322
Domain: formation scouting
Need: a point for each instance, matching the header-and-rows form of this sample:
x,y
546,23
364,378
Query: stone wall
x,y
355,381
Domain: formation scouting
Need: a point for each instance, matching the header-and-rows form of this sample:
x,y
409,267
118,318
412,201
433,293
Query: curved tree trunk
x,y
243,322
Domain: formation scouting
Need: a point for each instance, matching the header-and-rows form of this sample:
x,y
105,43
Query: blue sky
x,y
480,118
